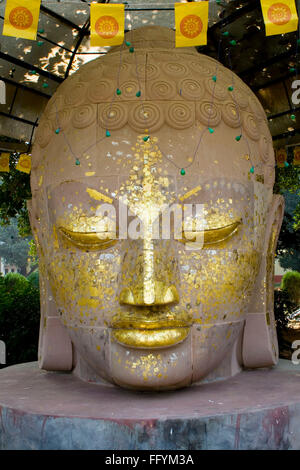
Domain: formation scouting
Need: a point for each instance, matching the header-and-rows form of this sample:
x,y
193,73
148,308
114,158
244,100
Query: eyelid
x,y
217,235
89,240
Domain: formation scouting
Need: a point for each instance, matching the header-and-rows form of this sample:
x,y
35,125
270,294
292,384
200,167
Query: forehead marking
x,y
190,193
98,196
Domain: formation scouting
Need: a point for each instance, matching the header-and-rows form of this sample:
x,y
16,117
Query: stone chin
x,y
99,358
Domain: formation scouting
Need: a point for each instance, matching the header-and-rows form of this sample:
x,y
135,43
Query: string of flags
x,y
281,157
24,163
108,21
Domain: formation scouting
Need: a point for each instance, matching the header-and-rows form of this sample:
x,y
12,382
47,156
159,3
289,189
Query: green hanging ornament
x,y
182,171
77,162
118,91
131,49
226,33
57,131
230,88
232,42
238,138
293,117
128,43
252,169
107,133
145,139
286,164
138,94
214,78
211,130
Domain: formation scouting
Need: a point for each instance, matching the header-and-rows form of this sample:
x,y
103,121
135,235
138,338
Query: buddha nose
x,y
149,274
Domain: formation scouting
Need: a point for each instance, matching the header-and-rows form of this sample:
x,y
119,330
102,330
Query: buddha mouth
x,y
155,338
152,330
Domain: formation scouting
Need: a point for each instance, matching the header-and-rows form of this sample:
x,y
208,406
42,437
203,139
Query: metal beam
x,y
238,13
24,87
13,147
273,82
59,18
27,66
285,135
266,63
80,37
283,113
16,118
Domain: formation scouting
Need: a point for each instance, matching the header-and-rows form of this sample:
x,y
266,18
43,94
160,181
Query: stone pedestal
x,y
257,409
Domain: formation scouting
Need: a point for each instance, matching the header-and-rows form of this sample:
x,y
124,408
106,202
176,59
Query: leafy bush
x,y
291,284
33,278
15,281
19,318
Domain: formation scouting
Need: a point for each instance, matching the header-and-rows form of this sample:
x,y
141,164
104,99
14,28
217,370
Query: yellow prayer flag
x,y
296,160
4,162
24,163
279,17
191,22
107,24
21,18
281,157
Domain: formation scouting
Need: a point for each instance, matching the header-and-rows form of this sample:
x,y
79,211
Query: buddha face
x,y
152,269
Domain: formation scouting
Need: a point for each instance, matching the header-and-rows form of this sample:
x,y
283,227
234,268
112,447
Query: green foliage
x,y
291,284
33,278
288,246
287,183
14,193
19,318
15,281
283,307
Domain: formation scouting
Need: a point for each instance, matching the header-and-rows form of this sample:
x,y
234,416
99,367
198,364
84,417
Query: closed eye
x,y
89,240
212,236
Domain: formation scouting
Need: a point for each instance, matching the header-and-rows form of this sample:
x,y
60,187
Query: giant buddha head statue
x,y
137,288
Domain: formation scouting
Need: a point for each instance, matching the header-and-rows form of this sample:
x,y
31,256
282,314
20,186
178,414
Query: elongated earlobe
x,y
260,345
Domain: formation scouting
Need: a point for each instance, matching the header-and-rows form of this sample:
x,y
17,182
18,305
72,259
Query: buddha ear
x,y
55,347
260,345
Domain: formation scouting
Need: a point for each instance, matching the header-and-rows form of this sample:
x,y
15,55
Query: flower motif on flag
x,y
191,26
281,157
4,162
20,18
296,156
279,14
24,163
107,27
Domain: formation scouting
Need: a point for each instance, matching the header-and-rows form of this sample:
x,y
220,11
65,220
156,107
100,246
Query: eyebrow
x,y
190,193
98,196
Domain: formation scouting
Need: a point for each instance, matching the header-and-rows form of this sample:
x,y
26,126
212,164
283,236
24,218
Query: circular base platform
x,y
257,409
